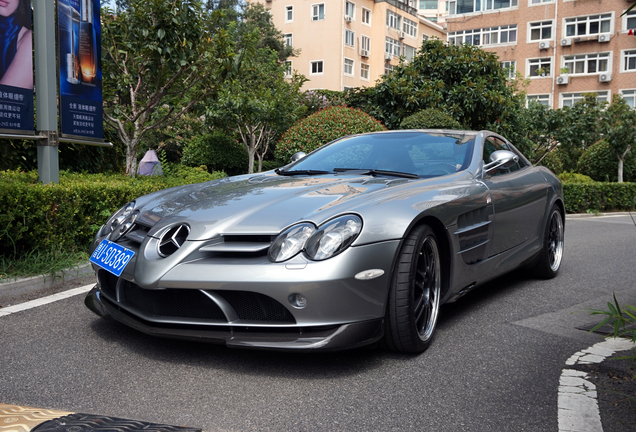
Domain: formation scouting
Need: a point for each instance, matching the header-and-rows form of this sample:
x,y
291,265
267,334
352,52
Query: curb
x,y
592,215
23,288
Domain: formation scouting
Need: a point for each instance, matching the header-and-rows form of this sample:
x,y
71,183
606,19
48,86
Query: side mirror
x,y
297,156
501,159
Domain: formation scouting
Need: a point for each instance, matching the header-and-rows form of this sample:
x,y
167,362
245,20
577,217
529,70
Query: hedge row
x,y
601,197
67,215
33,215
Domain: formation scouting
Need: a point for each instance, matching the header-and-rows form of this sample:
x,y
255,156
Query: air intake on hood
x,y
173,239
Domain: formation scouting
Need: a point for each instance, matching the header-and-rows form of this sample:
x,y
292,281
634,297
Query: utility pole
x,y
46,90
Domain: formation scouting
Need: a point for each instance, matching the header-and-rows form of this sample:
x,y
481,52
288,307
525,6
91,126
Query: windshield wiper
x,y
375,172
300,172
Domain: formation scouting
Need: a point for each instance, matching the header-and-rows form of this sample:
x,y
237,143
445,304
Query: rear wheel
x,y
414,297
551,254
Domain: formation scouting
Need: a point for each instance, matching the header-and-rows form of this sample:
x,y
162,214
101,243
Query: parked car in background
x,y
359,242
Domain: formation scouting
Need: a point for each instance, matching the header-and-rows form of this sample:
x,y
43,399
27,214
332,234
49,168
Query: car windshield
x,y
424,154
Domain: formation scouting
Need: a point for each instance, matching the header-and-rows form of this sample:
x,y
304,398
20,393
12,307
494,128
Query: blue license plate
x,y
112,257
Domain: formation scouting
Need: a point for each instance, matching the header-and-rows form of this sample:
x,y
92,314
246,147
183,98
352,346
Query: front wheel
x,y
414,296
551,254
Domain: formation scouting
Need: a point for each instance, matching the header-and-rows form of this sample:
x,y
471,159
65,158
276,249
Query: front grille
x,y
107,283
195,304
257,307
176,303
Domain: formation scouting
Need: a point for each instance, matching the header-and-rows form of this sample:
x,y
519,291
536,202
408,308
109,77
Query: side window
x,y
491,145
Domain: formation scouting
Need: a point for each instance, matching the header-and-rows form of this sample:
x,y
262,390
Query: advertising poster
x,y
16,67
79,39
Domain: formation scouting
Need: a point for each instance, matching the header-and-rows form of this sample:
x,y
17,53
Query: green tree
x,y
260,104
462,80
535,132
618,123
156,53
580,128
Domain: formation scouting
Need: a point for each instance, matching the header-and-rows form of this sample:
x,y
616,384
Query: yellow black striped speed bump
x,y
15,418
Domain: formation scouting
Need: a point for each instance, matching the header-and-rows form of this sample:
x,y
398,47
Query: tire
x,y
414,296
551,255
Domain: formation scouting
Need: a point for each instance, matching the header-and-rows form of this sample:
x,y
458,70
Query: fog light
x,y
298,301
369,274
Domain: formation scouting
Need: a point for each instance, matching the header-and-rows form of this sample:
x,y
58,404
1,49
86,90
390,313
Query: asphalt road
x,y
494,365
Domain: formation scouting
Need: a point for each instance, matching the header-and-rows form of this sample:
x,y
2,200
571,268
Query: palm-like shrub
x,y
322,127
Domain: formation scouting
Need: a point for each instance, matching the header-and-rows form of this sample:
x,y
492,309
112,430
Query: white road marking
x,y
578,405
45,300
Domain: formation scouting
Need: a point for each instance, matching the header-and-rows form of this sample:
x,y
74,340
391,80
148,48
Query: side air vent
x,y
173,239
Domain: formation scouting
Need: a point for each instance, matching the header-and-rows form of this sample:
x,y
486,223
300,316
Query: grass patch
x,y
38,262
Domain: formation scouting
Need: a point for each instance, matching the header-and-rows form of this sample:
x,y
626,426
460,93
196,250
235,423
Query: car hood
x,y
268,203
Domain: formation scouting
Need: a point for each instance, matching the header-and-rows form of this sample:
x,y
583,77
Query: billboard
x,y
16,67
80,72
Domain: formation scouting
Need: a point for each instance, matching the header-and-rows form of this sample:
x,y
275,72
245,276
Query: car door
x,y
518,195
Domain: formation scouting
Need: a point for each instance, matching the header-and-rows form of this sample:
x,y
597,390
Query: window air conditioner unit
x,y
604,38
401,35
563,80
388,56
544,45
566,42
348,18
605,77
364,53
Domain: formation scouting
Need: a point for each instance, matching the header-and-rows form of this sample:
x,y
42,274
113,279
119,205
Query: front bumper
x,y
323,338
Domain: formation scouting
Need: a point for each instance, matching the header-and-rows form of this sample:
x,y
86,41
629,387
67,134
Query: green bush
x,y
552,161
597,196
600,163
217,151
272,164
67,215
323,127
430,118
572,177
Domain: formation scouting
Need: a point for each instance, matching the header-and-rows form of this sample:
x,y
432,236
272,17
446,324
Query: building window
x,y
408,52
630,97
350,38
538,2
629,21
365,43
569,99
542,99
288,40
366,16
468,37
289,13
588,25
393,46
587,63
393,20
348,67
428,4
510,68
316,67
388,68
350,10
470,6
425,37
540,67
629,61
409,27
364,71
318,12
540,31
499,35
288,68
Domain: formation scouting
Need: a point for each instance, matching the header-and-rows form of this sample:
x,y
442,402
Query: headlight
x,y
333,237
290,242
117,219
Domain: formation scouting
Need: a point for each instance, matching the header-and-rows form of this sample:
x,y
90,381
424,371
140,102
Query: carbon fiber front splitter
x,y
330,338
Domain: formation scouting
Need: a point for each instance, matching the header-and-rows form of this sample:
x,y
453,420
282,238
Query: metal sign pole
x,y
46,90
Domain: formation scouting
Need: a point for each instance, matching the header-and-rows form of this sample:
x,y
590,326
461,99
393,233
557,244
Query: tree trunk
x,y
131,155
620,170
260,162
250,161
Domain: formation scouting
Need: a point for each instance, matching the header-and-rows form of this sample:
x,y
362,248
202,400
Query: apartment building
x,y
433,10
345,44
564,47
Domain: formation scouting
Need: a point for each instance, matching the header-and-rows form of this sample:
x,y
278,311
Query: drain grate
x,y
89,423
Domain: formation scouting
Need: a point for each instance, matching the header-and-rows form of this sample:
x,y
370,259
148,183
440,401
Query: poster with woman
x,y
79,41
16,67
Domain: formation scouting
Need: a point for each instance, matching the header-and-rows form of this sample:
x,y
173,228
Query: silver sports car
x,y
358,242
